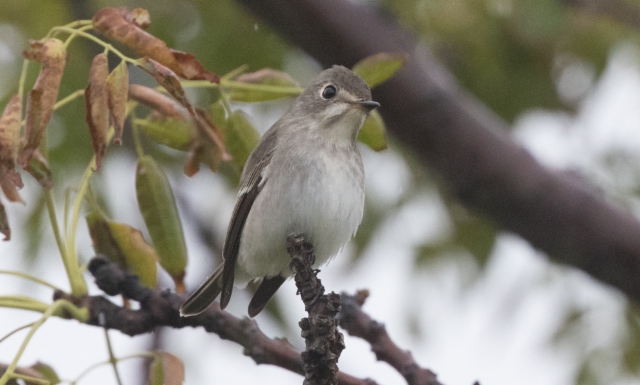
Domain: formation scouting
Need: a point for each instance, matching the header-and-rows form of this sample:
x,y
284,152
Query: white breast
x,y
319,194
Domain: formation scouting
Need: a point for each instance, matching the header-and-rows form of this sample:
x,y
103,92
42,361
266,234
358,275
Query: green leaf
x,y
125,246
378,68
241,137
174,133
47,372
158,207
166,369
374,132
265,84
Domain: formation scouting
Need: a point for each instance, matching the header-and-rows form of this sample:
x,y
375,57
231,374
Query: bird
x,y
305,176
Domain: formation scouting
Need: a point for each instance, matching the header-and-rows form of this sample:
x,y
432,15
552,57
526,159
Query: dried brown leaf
x,y
10,182
124,26
10,132
38,167
208,147
53,56
97,106
4,223
168,80
138,16
118,89
190,68
166,369
158,102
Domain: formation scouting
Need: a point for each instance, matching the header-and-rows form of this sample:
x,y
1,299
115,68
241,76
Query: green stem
x,y
23,78
24,303
59,306
75,217
53,218
99,364
14,331
74,34
112,358
78,23
31,379
136,136
29,277
95,40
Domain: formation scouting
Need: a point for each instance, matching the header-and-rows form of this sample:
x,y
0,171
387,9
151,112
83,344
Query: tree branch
x,y
618,10
324,342
466,144
161,308
359,324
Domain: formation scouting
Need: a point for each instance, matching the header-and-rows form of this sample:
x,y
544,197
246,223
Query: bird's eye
x,y
329,92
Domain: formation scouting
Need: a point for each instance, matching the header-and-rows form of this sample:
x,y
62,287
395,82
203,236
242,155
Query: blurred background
x,y
469,301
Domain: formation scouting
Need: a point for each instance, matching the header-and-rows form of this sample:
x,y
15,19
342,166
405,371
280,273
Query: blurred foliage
x,y
511,54
506,52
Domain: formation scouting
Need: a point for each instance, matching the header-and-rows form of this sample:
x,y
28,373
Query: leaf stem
x,y
112,358
96,40
14,331
23,78
29,277
58,307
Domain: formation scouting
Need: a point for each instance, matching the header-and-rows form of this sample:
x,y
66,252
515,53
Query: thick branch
x,y
358,324
324,342
618,10
160,308
467,144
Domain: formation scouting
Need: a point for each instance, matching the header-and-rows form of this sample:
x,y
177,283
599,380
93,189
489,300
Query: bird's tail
x,y
204,296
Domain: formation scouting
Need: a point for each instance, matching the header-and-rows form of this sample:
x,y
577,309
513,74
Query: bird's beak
x,y
368,105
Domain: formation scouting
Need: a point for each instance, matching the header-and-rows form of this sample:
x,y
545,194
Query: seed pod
x,y
53,56
158,207
125,246
97,106
10,133
118,89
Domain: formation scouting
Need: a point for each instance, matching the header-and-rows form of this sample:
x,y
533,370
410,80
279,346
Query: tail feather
x,y
200,300
266,290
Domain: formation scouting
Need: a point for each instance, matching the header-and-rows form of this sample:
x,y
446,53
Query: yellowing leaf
x,y
47,372
262,85
97,106
374,132
118,91
123,245
174,133
378,68
158,207
53,56
166,369
240,137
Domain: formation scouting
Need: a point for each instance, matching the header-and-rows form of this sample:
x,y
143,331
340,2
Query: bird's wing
x,y
252,182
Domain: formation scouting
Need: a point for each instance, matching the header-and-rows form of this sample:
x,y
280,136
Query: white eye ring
x,y
329,92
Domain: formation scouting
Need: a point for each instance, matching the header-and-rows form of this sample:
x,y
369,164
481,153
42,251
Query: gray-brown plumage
x,y
305,176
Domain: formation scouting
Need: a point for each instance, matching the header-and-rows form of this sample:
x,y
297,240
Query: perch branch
x,y
161,308
359,324
466,143
324,342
